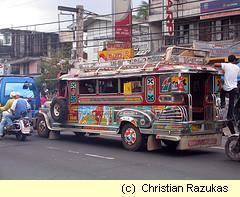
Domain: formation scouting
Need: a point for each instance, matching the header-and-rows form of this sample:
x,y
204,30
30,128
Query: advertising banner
x,y
219,5
123,20
111,45
217,49
168,24
116,54
219,14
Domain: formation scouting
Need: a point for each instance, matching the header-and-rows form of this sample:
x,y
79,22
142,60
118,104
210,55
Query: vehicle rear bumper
x,y
188,135
195,141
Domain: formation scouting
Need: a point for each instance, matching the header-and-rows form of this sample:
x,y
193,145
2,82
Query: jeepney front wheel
x,y
132,139
42,128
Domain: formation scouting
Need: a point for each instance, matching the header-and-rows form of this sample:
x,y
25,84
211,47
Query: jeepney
x,y
170,98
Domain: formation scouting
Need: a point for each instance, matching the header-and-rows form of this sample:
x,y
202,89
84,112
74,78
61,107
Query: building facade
x,y
21,50
203,23
99,30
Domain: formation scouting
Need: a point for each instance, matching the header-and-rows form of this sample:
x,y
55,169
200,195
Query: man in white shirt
x,y
231,72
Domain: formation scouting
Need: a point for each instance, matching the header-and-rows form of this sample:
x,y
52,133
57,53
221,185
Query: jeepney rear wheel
x,y
132,139
42,128
59,110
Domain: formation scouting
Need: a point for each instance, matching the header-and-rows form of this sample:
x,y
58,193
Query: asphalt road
x,y
103,158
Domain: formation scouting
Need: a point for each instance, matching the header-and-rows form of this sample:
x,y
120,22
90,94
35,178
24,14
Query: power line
x,y
110,27
92,13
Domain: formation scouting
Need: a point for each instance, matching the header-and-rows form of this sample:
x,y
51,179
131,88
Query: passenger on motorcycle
x,y
20,107
5,110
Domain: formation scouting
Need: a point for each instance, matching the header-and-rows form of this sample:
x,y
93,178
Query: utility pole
x,y
79,32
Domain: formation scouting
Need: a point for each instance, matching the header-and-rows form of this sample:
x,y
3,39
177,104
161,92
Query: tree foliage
x,y
143,11
50,67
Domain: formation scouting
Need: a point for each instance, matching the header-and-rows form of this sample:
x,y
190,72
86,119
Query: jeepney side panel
x,y
73,89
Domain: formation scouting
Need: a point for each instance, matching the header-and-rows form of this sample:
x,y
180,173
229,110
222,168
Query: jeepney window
x,y
131,85
87,86
108,86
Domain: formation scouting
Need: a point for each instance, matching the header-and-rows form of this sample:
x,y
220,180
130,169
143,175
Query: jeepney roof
x,y
175,60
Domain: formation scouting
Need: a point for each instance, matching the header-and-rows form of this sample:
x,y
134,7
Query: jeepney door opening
x,y
200,88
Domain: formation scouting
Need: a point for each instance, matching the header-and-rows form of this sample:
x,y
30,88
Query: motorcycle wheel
x,y
21,137
229,148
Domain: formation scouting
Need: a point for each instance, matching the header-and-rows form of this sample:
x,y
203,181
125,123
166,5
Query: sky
x,y
28,12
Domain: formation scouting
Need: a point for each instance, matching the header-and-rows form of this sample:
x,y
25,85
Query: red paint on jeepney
x,y
98,114
72,113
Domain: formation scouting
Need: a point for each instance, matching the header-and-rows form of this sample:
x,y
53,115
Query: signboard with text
x,y
217,49
123,20
219,5
116,54
221,14
168,17
111,45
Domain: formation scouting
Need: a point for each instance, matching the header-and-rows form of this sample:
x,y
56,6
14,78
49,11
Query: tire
x,y
170,145
42,128
21,137
229,148
59,110
80,134
131,137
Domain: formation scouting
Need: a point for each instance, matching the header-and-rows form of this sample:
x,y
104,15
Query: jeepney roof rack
x,y
173,55
133,65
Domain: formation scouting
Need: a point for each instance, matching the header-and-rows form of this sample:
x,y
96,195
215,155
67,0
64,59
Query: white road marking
x,y
75,152
99,156
53,148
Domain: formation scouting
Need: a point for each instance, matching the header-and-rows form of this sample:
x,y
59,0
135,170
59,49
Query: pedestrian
x,y
231,72
44,98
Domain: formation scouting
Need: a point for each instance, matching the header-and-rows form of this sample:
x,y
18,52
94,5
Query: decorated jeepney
x,y
168,99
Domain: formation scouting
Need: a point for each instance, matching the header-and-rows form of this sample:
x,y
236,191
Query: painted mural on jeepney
x,y
73,114
95,115
73,92
150,89
173,83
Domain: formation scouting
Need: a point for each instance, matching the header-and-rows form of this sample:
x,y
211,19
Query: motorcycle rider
x,y
5,111
19,107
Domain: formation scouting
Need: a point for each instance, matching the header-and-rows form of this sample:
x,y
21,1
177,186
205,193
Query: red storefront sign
x,y
123,29
123,20
169,18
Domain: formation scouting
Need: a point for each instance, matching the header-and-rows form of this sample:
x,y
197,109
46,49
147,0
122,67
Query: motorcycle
x,y
21,128
232,146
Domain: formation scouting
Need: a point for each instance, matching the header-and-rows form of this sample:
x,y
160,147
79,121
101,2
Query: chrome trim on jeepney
x,y
130,117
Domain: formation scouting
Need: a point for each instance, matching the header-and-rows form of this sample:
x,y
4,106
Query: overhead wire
x,y
110,27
